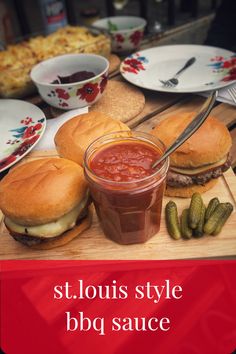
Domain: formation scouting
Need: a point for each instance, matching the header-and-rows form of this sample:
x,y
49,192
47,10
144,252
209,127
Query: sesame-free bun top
x,y
209,144
74,136
41,191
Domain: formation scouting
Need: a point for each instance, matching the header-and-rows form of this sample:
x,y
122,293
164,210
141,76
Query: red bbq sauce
x,y
126,190
125,162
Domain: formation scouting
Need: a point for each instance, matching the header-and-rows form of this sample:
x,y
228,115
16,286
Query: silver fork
x,y
174,80
232,93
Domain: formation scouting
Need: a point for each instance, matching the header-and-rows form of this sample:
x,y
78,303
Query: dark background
x,y
26,17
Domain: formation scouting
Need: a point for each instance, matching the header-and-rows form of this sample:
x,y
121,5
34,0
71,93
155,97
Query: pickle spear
x,y
198,232
211,207
213,224
195,210
186,232
222,221
172,220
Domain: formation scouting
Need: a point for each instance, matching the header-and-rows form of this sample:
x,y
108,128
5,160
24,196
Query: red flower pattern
x,y
26,121
7,161
133,65
217,58
103,83
136,37
30,131
228,65
61,93
63,104
27,138
119,38
25,145
231,76
88,92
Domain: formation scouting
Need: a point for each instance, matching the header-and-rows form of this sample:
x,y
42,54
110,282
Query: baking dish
x,y
18,59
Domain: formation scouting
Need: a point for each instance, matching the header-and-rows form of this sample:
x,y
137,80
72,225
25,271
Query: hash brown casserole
x,y
18,59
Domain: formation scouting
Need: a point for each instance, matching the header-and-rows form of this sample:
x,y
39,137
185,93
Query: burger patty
x,y
34,240
175,179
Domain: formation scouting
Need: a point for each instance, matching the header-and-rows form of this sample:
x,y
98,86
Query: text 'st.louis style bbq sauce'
x,y
126,190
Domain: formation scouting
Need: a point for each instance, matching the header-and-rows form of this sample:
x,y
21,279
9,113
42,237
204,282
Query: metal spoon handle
x,y
191,128
187,64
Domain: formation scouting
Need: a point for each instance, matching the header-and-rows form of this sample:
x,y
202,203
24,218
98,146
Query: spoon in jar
x,y
191,128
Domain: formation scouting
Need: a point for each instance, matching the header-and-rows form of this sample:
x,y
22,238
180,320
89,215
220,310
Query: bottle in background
x,y
54,14
89,15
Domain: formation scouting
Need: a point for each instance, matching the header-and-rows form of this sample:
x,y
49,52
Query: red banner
x,y
135,307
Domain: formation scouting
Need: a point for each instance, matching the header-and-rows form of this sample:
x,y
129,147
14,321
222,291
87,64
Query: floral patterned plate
x,y
21,125
214,68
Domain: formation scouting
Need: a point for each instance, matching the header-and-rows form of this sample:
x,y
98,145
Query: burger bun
x,y
74,136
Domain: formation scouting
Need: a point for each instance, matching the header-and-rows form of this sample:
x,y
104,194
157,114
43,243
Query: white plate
x,y
21,126
214,68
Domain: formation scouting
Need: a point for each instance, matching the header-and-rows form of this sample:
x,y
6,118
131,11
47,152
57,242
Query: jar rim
x,y
162,170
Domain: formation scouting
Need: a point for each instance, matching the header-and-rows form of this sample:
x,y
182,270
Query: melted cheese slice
x,y
195,171
56,228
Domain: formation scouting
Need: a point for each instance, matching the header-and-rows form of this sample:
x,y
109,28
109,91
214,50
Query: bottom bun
x,y
187,192
60,240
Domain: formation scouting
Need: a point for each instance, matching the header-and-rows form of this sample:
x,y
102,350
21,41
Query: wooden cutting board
x,y
92,244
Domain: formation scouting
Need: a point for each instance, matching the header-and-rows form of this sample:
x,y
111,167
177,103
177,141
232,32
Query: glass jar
x,y
130,211
54,14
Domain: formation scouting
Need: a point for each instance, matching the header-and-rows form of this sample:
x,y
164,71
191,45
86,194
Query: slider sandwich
x,y
197,164
76,134
45,202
